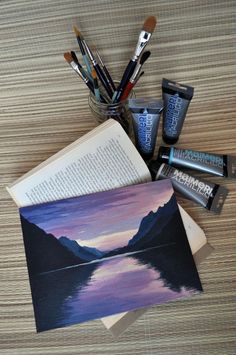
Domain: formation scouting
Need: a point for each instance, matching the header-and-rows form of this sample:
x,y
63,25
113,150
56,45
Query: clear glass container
x,y
118,111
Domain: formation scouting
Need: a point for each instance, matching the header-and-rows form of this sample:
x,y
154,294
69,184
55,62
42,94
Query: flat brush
x,y
79,65
68,57
109,78
79,38
132,80
144,36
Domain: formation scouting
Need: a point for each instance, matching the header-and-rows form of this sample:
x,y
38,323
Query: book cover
x,y
105,253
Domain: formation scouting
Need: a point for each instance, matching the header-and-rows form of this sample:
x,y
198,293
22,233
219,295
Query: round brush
x,y
79,38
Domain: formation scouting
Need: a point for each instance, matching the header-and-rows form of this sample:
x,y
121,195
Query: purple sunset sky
x,y
104,220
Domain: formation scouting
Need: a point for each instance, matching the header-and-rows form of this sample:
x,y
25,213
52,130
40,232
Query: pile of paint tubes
x,y
170,161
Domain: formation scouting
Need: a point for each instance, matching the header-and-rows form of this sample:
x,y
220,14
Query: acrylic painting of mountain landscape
x,y
105,253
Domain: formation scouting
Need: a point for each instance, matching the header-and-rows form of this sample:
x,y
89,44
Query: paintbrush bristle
x,y
94,74
144,57
150,24
76,31
68,57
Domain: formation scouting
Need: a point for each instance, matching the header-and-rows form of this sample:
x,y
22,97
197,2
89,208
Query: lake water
x,y
114,285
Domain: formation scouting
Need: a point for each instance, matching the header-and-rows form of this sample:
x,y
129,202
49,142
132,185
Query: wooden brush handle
x,y
127,90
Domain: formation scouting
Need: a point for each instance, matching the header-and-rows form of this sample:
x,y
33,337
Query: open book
x,y
101,160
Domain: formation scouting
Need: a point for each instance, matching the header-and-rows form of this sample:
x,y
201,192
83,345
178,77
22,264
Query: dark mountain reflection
x,y
113,285
51,290
174,266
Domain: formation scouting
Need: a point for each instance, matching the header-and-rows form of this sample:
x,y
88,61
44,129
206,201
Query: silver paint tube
x,y
145,117
209,195
176,101
215,164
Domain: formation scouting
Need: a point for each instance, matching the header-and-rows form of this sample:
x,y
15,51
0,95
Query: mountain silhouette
x,y
43,251
82,252
154,221
156,229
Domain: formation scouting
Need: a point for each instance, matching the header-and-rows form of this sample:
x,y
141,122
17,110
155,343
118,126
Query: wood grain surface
x,y
44,107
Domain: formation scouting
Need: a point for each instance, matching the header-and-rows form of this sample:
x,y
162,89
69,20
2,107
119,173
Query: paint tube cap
x,y
231,168
153,167
163,154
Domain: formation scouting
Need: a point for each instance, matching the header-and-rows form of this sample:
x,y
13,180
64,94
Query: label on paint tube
x,y
216,164
176,101
209,195
210,163
146,117
176,108
145,126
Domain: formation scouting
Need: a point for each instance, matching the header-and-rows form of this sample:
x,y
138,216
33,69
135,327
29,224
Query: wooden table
x,y
44,107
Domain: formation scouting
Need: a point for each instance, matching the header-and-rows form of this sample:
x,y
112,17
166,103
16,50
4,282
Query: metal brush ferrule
x,y
100,59
143,39
89,52
78,71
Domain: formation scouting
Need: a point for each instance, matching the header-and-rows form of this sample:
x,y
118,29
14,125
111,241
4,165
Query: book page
x,y
103,159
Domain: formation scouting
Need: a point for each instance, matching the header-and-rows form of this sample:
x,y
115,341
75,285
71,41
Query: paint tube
x,y
145,117
215,164
176,101
207,194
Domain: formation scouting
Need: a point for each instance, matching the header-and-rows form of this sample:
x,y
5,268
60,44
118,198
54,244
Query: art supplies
x,y
66,175
215,164
82,50
76,67
146,117
144,37
108,76
135,75
131,74
176,98
209,195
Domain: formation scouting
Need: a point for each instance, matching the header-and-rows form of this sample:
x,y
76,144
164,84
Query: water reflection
x,y
111,286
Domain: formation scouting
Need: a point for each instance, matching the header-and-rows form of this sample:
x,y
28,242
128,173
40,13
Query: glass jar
x,y
118,111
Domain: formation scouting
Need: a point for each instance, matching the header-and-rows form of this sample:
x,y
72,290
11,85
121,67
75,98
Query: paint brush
x,y
109,78
96,66
68,57
137,79
79,38
99,71
79,65
95,84
132,80
144,36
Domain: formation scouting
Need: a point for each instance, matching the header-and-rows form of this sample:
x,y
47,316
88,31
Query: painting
x,y
105,253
